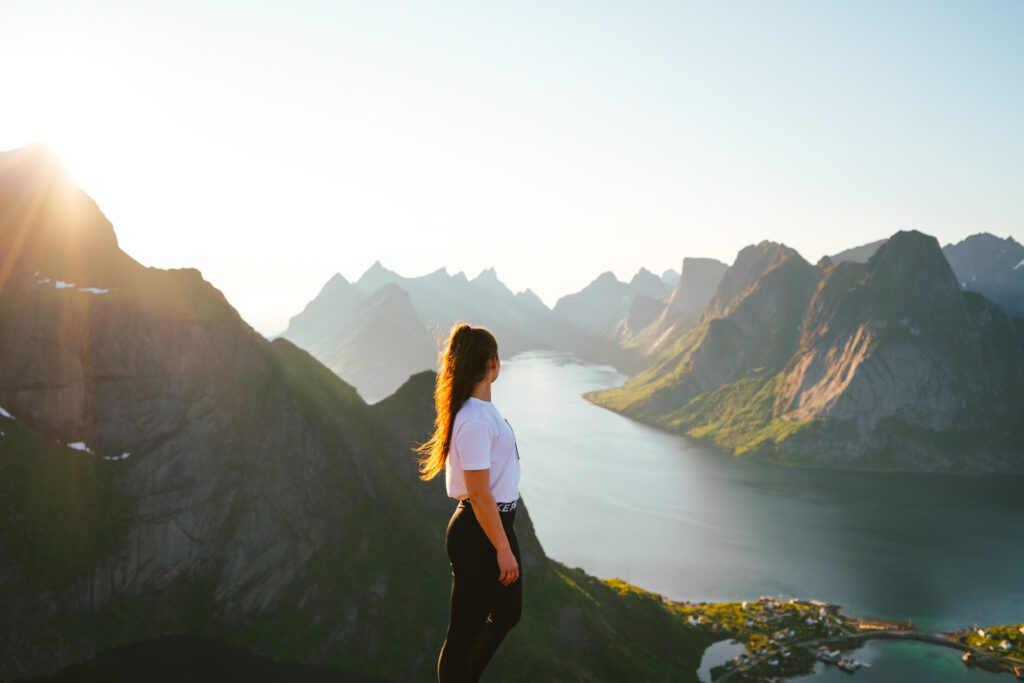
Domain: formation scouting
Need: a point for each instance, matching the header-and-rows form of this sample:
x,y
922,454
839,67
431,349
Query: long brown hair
x,y
463,364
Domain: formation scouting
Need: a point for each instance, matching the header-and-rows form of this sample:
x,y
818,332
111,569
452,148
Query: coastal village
x,y
785,639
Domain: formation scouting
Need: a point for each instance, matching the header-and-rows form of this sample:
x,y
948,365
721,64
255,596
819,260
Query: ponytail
x,y
463,363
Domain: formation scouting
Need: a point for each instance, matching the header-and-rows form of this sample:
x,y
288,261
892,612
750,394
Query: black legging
x,y
483,610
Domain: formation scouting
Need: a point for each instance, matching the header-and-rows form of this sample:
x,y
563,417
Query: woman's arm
x,y
478,485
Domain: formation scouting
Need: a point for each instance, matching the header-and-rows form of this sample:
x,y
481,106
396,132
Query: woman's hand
x,y
478,484
507,566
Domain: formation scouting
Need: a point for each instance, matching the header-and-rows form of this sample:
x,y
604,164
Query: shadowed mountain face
x,y
983,263
885,364
991,266
164,469
859,254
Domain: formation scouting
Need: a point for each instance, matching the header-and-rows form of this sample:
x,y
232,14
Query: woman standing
x,y
476,448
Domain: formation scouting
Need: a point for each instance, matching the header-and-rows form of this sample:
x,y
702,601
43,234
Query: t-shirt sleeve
x,y
474,440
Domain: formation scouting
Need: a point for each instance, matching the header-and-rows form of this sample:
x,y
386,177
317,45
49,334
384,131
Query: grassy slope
x,y
738,416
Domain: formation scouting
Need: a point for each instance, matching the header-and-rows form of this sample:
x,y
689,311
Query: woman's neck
x,y
482,390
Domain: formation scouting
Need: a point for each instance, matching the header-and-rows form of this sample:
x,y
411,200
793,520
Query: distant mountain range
x,y
770,356
167,470
887,364
378,331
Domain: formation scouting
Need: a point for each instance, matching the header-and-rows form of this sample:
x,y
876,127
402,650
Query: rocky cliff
x,y
651,324
886,364
164,469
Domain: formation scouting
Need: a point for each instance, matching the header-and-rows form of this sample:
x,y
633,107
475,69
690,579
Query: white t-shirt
x,y
482,439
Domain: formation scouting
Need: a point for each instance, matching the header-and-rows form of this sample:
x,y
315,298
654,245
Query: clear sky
x,y
272,144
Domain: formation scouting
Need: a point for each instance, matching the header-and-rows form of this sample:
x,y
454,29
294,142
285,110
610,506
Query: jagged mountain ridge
x,y
225,486
378,364
886,364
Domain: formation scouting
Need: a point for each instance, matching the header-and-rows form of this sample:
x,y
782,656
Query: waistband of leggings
x,y
502,507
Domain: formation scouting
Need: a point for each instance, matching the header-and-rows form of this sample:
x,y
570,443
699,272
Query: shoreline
x,y
787,639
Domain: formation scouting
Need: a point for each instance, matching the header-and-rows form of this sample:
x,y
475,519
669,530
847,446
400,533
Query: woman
x,y
475,447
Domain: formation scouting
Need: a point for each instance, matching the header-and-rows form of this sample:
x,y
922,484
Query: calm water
x,y
620,499
889,661
903,662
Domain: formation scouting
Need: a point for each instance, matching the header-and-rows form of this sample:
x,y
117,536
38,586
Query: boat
x,y
850,665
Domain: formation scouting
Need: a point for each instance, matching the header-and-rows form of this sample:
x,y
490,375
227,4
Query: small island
x,y
784,639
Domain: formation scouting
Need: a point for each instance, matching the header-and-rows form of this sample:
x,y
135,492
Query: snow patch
x,y
43,281
80,446
1019,264
94,290
123,456
64,285
6,414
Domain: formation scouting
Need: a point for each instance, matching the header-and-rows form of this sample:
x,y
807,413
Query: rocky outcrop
x,y
696,287
650,324
884,364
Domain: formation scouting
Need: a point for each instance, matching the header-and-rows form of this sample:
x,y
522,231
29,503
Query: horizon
x,y
274,147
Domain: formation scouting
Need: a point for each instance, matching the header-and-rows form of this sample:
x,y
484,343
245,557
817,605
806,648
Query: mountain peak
x,y
61,232
487,275
337,279
751,263
375,276
912,264
644,276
